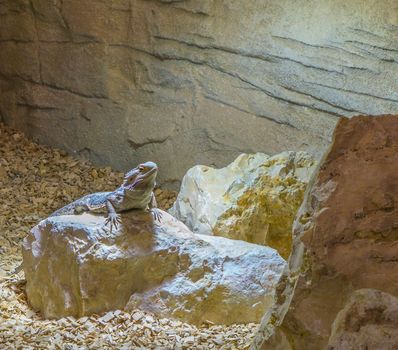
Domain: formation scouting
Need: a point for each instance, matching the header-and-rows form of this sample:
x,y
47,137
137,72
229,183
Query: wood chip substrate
x,y
36,180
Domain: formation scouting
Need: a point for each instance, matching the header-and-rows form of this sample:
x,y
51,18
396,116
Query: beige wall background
x,y
184,82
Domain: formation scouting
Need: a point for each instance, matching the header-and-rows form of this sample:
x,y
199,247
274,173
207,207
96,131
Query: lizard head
x,y
142,176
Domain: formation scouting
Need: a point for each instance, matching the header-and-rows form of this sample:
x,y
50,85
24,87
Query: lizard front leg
x,y
153,207
113,218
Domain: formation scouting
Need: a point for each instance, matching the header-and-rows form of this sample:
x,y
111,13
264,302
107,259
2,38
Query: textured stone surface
x,y
255,198
345,234
369,320
193,82
73,267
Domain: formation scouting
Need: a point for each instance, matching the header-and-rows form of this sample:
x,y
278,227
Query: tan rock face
x,y
73,267
254,199
193,82
346,232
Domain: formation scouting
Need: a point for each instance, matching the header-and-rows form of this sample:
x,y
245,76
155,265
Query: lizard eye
x,y
141,167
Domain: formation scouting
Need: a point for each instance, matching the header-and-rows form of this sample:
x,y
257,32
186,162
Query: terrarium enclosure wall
x,y
193,82
266,130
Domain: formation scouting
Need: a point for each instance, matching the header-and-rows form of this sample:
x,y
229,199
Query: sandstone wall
x,y
183,82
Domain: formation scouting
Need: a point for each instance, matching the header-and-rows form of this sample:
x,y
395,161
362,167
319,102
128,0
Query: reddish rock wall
x,y
345,235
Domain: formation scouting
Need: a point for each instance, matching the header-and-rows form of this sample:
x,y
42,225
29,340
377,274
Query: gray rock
x,y
74,268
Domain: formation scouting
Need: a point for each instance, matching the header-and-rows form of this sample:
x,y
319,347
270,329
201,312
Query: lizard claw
x,y
157,215
114,220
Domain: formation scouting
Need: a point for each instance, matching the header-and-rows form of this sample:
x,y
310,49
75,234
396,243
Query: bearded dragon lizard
x,y
136,192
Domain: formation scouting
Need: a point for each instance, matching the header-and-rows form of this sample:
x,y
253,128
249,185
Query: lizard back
x,y
95,202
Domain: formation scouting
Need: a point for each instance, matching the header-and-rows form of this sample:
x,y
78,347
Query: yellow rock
x,y
254,199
